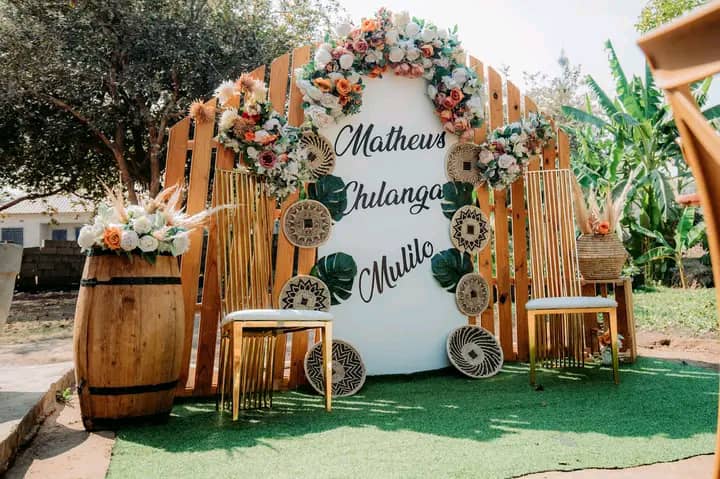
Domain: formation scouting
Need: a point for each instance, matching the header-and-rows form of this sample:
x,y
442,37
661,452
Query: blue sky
x,y
527,35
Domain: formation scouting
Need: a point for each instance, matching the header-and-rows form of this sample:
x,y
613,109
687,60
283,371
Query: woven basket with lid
x,y
601,256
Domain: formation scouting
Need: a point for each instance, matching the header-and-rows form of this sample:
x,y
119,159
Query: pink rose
x,y
360,45
449,103
417,71
267,159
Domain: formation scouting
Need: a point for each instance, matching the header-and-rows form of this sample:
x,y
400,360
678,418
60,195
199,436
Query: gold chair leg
x,y
237,340
532,324
220,396
614,345
327,364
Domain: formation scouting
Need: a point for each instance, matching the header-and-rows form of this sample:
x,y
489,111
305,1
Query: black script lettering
x,y
382,276
361,139
417,197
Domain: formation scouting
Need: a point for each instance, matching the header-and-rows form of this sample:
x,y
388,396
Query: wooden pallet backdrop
x,y
193,155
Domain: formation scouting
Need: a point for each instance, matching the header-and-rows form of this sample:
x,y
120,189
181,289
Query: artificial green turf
x,y
441,425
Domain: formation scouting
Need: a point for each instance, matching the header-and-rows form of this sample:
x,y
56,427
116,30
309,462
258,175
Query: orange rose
x,y
323,84
368,25
446,115
603,228
357,88
111,237
343,86
377,71
461,124
456,94
427,50
249,136
343,100
268,139
449,103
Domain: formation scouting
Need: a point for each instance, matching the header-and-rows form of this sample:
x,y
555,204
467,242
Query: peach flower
x,y
111,237
368,25
323,84
343,86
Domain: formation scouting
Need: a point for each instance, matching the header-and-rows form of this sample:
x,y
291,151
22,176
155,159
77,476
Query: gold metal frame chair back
x,y
683,52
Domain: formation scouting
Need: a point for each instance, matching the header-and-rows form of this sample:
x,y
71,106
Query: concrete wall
x,y
56,265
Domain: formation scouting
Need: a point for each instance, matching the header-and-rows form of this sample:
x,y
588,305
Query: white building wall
x,y
38,227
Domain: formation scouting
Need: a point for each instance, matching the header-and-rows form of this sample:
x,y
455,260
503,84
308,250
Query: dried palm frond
x,y
117,201
582,216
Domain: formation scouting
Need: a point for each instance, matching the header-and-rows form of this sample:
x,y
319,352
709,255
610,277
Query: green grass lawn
x,y
441,425
673,309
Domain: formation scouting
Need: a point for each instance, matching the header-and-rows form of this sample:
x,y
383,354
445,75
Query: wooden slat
x,y
502,240
519,239
278,82
530,107
196,202
484,258
177,153
563,150
306,256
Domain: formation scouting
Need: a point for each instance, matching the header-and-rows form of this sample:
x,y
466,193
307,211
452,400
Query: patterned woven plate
x,y
305,292
461,163
307,224
472,294
320,153
474,352
347,366
469,229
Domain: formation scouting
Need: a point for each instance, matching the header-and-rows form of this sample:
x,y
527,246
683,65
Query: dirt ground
x,y
39,331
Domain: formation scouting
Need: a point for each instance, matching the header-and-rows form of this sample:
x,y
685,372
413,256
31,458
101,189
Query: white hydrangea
x,y
128,240
147,244
86,237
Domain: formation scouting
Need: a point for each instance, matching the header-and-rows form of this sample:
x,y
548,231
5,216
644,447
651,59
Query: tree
x,y
550,93
658,12
635,137
91,86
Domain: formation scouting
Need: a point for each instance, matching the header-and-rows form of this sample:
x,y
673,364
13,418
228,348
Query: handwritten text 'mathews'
x,y
361,139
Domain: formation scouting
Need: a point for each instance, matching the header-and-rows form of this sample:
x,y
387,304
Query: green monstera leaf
x,y
456,194
449,266
337,271
330,191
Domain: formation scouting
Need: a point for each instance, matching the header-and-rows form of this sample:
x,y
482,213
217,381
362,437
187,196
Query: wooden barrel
x,y
129,333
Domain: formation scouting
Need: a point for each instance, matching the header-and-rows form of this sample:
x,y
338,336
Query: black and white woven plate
x,y
348,370
474,351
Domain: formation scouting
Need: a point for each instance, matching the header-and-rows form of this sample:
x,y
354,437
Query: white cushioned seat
x,y
277,315
570,302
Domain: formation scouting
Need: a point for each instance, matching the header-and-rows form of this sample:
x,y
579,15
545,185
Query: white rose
x,y
353,77
322,57
401,19
343,30
412,29
86,237
429,74
505,161
485,156
180,244
346,61
371,57
329,101
135,210
142,225
428,34
392,37
443,62
520,149
314,93
432,91
227,119
225,91
396,54
335,76
427,63
252,152
475,104
147,244
442,34
271,124
260,135
128,240
319,116
460,76
412,53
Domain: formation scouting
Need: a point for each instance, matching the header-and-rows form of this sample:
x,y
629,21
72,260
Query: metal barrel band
x,y
131,280
123,390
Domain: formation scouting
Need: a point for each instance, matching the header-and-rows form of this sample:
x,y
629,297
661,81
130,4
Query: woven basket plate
x,y
307,224
472,294
320,153
461,163
305,292
474,352
348,370
469,229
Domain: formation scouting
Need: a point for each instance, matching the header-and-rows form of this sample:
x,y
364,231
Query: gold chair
x,y
685,51
556,301
250,326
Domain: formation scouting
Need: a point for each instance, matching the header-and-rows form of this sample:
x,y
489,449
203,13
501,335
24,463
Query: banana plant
x,y
687,235
635,136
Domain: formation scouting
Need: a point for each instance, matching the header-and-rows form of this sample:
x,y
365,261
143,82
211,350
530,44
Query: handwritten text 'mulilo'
x,y
363,139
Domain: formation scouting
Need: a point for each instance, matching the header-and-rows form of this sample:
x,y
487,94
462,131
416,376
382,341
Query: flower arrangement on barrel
x,y
154,227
